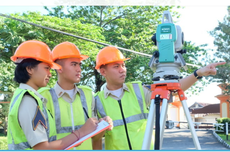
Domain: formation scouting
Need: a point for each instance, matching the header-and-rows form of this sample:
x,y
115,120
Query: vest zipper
x,y
126,130
71,109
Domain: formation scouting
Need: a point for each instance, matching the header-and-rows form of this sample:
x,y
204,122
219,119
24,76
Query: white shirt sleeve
x,y
26,114
93,108
147,93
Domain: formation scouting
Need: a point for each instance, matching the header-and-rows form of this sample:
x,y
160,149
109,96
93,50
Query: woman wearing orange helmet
x,y
30,125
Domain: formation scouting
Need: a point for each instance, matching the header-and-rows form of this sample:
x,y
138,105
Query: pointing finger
x,y
219,63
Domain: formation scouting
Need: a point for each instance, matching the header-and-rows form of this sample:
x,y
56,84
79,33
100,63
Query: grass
x,y
223,136
3,142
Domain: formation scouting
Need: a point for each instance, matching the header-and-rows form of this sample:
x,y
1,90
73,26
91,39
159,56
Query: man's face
x,y
114,73
71,69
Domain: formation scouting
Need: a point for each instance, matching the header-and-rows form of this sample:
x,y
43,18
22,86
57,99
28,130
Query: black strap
x,y
196,75
125,125
157,124
27,93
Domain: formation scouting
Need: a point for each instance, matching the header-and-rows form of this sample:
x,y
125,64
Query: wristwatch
x,y
196,75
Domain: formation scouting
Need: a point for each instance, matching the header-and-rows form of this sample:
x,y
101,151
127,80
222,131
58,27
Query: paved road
x,y
181,139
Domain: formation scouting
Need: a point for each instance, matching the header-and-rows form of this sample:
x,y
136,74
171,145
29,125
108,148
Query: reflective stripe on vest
x,y
59,128
84,104
130,119
99,107
52,138
20,146
139,97
15,99
25,145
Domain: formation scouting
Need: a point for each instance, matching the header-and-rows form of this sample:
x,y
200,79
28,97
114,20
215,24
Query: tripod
x,y
162,92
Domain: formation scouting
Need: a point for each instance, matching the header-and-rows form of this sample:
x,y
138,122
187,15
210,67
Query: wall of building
x,y
208,118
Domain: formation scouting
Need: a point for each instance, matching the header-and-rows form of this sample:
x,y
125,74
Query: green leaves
x,y
129,27
12,33
222,41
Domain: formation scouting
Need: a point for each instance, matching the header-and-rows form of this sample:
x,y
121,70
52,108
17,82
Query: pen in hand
x,y
86,113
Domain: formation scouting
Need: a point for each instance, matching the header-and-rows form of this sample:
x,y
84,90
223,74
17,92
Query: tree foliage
x,y
13,32
222,40
129,27
125,26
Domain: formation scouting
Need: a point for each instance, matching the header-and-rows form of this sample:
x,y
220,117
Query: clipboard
x,y
103,125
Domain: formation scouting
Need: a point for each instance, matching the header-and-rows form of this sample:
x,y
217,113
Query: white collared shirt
x,y
147,93
64,94
26,112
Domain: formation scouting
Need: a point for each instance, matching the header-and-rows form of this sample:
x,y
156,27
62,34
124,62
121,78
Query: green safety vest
x,y
129,118
61,111
15,135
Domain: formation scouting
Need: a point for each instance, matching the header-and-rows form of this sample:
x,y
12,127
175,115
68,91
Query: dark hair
x,y
20,74
103,66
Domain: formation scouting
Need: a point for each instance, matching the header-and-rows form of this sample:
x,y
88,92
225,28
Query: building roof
x,y
211,108
203,104
200,104
197,105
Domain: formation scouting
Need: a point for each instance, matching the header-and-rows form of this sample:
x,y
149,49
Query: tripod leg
x,y
157,125
164,110
191,126
149,127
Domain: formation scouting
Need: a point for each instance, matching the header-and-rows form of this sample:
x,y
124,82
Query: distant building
x,y
197,105
206,114
224,102
200,112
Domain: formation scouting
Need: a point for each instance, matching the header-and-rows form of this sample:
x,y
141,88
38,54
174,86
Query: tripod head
x,y
169,39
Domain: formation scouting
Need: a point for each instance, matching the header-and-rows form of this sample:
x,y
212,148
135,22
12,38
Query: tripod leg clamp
x,y
157,99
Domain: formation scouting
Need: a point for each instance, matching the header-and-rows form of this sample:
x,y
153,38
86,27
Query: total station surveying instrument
x,y
166,63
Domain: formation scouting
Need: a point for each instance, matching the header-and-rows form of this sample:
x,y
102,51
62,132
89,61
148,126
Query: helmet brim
x,y
81,57
98,66
52,64
55,66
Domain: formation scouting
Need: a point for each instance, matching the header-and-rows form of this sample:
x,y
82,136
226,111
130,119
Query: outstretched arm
x,y
210,69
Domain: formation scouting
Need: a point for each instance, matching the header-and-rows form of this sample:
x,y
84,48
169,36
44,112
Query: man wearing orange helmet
x,y
126,103
71,105
30,125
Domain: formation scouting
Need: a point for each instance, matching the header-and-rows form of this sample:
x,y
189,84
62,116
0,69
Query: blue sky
x,y
195,22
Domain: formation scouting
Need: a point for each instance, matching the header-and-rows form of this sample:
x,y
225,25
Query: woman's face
x,y
39,76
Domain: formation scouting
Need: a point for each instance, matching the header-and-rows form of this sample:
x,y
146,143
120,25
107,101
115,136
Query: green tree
x,y
222,40
129,27
13,32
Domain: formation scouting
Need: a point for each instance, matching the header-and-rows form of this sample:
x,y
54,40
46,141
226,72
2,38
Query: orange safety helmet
x,y
36,50
67,50
109,54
